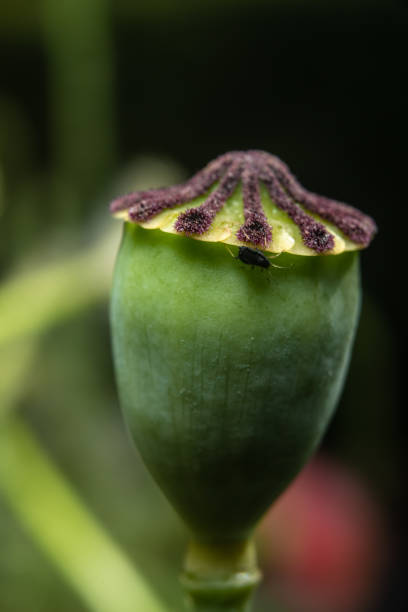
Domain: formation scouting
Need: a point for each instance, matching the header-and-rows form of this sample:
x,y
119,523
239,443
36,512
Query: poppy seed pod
x,y
229,367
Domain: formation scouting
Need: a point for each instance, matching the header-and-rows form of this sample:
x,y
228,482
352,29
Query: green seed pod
x,y
229,368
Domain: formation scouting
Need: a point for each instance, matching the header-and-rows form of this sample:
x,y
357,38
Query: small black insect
x,y
253,257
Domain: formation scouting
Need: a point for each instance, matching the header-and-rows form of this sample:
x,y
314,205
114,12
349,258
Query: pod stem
x,y
220,576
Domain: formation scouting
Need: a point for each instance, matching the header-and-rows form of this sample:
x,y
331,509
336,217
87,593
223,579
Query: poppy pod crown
x,y
250,197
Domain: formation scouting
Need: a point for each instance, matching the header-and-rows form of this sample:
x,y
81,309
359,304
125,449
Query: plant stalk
x,y
220,576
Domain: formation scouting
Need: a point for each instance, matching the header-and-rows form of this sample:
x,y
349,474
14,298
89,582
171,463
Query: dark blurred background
x,y
100,97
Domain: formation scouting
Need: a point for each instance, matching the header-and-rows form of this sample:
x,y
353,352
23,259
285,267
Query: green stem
x,y
220,576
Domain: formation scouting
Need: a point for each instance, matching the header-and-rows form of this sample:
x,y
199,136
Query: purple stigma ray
x,y
154,203
194,221
314,234
354,224
250,167
203,179
126,201
199,220
256,229
147,204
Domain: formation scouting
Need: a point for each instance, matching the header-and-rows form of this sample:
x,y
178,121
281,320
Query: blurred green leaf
x,y
33,301
30,303
15,361
64,529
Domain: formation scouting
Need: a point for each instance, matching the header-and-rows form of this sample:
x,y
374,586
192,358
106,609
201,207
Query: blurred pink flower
x,y
323,543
